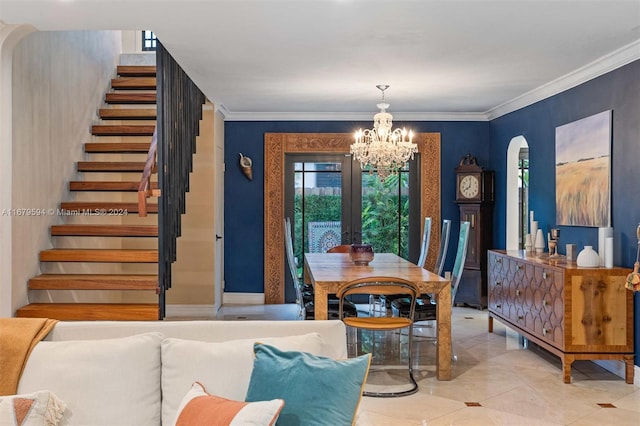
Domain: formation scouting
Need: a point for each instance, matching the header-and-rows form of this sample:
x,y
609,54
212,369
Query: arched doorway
x,y
517,191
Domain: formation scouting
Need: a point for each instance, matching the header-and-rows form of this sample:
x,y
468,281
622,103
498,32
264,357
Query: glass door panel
x,y
317,203
385,213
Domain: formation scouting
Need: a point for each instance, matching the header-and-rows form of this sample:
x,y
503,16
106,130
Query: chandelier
x,y
382,149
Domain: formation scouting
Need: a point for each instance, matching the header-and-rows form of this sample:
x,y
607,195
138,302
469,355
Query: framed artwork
x,y
583,172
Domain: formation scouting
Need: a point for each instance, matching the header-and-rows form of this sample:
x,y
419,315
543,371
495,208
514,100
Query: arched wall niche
x,y
513,156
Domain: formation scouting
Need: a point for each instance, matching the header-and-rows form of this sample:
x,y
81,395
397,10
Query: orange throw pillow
x,y
198,408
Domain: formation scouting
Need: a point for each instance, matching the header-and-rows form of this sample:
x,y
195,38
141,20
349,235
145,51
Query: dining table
x,y
328,272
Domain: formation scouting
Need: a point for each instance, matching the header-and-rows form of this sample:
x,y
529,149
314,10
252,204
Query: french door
x,y
331,201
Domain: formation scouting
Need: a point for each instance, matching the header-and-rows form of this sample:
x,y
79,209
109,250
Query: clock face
x,y
469,186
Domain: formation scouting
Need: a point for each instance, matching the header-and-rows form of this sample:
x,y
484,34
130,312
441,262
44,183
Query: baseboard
x,y
243,298
177,311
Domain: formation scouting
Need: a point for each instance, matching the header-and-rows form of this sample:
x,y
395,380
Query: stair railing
x,y
179,103
145,189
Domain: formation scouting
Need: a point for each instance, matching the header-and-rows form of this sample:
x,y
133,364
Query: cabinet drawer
x,y
495,278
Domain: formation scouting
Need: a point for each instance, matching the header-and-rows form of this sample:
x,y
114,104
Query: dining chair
x,y
380,305
293,269
424,247
425,307
304,294
382,286
439,266
444,246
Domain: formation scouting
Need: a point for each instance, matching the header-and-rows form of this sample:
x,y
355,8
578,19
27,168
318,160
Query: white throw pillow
x,y
40,408
106,382
224,369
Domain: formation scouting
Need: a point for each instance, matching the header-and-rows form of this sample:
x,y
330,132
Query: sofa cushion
x,y
223,368
198,408
40,408
106,382
316,390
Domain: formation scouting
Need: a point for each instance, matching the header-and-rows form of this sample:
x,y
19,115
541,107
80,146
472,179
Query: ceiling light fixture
x,y
381,149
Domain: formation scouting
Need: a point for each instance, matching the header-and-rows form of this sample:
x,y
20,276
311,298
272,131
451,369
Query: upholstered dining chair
x,y
425,307
382,286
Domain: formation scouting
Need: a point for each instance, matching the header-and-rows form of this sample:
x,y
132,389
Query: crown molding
x,y
600,66
352,116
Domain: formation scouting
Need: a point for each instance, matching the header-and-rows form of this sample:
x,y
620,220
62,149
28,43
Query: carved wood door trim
x,y
277,145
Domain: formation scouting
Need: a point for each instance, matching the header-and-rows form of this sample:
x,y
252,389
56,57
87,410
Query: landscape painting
x,y
583,153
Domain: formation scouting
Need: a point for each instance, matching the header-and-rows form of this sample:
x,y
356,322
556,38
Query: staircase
x,y
104,246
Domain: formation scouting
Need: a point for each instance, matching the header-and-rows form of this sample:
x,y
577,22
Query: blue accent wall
x,y
244,199
618,91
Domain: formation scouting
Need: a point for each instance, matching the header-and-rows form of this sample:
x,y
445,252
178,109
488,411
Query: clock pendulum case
x,y
474,196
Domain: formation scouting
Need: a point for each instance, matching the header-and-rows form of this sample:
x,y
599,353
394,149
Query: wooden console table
x,y
575,313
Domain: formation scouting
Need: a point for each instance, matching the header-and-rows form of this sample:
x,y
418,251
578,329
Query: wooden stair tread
x,y
93,282
105,230
127,113
116,147
100,255
130,98
91,311
136,70
117,207
122,129
84,185
133,83
110,166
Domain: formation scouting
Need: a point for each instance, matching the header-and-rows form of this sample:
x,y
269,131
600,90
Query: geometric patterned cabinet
x,y
574,313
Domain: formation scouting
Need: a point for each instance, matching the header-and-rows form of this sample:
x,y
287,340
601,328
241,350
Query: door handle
x,y
218,237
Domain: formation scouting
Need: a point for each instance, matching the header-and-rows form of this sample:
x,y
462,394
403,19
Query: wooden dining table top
x,y
337,268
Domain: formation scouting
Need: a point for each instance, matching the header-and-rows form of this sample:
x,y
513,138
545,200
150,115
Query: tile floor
x,y
495,382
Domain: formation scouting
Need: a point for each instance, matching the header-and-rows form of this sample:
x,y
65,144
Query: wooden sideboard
x,y
575,313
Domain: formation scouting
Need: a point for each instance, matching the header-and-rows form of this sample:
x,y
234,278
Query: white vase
x,y
603,234
534,230
539,242
528,244
608,247
588,258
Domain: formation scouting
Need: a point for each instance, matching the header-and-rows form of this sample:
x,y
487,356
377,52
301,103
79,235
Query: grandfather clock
x,y
474,196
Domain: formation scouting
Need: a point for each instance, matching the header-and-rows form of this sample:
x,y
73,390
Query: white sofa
x,y
136,373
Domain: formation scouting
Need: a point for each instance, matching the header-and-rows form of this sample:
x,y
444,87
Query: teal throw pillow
x,y
317,390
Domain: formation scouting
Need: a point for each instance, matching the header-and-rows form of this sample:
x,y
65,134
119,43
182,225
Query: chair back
x,y
444,246
424,248
379,286
461,255
343,248
293,269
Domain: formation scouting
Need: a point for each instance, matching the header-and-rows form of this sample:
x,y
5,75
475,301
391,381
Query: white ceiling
x,y
321,59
